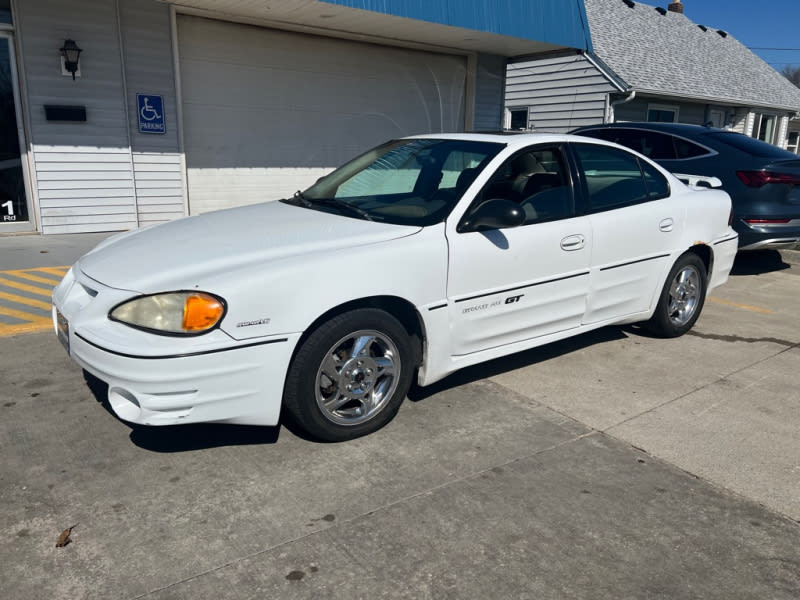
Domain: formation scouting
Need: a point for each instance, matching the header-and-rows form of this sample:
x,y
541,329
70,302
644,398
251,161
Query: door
x,y
635,228
15,208
515,284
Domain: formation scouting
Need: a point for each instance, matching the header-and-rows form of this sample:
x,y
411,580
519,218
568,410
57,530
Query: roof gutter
x,y
607,72
610,116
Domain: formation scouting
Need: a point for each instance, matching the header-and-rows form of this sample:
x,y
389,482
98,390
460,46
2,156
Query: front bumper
x,y
160,380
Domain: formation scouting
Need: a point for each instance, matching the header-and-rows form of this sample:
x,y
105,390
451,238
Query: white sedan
x,y
423,256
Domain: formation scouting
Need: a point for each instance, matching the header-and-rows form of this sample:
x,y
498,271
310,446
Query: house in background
x,y
653,64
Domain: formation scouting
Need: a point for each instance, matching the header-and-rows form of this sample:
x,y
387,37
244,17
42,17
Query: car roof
x,y
679,128
512,139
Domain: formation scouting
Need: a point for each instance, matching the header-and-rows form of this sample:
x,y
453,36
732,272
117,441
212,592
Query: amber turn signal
x,y
201,311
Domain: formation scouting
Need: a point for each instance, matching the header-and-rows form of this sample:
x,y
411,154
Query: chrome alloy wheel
x,y
357,377
684,295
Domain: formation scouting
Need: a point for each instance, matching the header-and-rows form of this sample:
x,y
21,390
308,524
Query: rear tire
x,y
681,299
350,375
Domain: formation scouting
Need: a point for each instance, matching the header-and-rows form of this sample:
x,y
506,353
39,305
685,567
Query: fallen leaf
x,y
64,538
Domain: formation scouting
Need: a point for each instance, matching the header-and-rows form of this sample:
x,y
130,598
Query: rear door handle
x,y
666,224
573,242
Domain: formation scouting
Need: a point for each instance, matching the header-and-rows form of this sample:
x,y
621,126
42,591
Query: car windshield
x,y
750,145
405,182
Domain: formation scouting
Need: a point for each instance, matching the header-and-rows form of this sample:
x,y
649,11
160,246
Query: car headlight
x,y
172,313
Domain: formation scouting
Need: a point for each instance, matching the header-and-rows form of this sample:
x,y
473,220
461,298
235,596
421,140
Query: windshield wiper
x,y
299,196
337,203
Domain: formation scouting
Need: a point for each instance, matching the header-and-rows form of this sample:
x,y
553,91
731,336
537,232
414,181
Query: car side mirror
x,y
496,213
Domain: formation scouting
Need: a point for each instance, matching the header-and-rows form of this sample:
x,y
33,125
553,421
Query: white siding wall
x,y
159,186
783,131
561,92
84,189
740,120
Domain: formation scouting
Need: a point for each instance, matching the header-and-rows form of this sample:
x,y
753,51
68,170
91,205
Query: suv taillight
x,y
758,179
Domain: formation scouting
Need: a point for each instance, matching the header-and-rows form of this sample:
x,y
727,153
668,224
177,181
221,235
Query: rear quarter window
x,y
750,145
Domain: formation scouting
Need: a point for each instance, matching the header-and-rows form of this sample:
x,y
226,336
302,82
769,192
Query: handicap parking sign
x,y
151,113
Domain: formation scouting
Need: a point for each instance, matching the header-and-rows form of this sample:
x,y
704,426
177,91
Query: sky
x,y
755,23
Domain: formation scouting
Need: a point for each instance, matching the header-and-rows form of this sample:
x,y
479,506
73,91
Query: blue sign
x,y
151,113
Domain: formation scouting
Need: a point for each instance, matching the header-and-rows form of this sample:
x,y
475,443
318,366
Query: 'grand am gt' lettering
x,y
470,309
509,300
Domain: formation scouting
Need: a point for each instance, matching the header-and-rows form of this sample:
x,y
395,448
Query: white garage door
x,y
267,112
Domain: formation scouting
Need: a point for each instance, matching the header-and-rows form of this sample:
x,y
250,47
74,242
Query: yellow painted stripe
x,y
9,330
60,271
31,277
28,288
758,309
24,316
24,300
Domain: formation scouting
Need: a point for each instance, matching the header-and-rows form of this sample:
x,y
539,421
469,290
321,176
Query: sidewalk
x,y
35,250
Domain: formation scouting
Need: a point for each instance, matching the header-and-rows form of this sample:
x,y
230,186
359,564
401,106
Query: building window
x,y
5,11
764,127
518,118
793,142
661,113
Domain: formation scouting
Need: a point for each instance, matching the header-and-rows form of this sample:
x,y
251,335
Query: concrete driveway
x,y
612,465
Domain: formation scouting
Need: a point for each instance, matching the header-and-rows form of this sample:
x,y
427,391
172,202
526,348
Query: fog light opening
x,y
124,403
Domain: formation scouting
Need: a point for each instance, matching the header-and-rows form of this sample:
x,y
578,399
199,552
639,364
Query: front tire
x,y
681,299
350,375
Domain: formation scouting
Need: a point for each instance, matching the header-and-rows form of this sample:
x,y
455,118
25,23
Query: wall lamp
x,y
70,54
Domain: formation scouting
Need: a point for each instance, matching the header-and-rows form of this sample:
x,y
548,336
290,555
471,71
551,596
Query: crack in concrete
x,y
746,340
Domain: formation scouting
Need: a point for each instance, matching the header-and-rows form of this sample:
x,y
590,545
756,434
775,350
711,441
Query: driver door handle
x,y
573,242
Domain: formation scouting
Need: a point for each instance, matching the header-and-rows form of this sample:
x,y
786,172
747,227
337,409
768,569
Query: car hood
x,y
175,254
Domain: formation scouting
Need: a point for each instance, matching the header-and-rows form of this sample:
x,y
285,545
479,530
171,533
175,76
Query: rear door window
x,y
612,178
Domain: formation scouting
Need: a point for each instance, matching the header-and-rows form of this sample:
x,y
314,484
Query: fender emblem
x,y
251,323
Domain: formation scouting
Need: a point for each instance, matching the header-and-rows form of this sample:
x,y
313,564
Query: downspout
x,y
628,98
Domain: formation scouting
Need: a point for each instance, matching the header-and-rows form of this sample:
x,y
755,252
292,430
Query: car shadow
x,y
522,359
185,438
756,262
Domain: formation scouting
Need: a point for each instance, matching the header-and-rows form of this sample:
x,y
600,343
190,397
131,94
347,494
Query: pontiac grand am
x,y
420,257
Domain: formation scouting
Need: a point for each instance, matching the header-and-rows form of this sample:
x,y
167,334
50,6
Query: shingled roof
x,y
666,53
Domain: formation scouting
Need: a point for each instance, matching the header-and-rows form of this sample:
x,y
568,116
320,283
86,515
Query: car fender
x,y
287,296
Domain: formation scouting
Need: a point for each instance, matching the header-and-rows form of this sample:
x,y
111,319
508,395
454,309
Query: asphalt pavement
x,y
611,465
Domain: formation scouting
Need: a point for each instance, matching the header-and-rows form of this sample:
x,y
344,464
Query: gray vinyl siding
x,y
86,175
83,171
489,84
636,110
149,69
44,25
561,92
